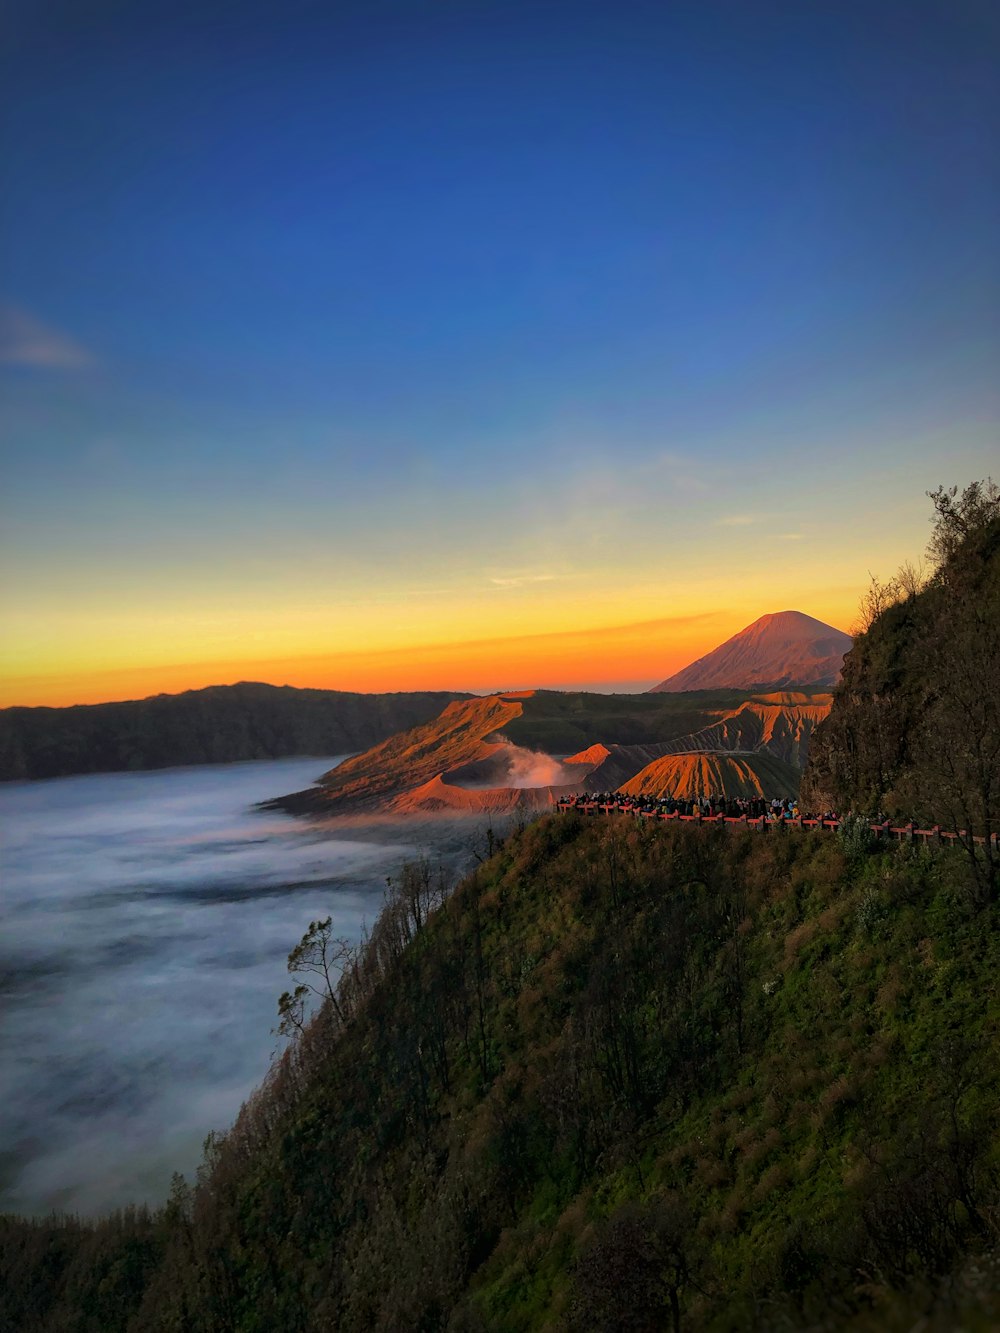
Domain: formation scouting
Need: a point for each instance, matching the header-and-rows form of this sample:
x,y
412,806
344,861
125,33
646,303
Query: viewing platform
x,y
888,832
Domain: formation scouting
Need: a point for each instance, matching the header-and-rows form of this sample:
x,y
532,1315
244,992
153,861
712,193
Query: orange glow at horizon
x,y
608,588
632,657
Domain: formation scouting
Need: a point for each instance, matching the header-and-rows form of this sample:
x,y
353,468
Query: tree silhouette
x,y
318,954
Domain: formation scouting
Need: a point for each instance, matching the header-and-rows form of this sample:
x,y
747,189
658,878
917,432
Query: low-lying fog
x,y
145,920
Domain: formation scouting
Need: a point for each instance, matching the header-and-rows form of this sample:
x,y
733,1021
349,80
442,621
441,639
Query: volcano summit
x,y
781,651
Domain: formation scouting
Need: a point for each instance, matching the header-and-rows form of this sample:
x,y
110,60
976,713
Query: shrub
x,y
856,836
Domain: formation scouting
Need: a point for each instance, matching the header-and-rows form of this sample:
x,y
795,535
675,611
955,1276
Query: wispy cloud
x,y
26,341
520,580
749,520
738,520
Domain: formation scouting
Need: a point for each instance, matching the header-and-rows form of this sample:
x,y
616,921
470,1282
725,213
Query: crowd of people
x,y
754,808
708,807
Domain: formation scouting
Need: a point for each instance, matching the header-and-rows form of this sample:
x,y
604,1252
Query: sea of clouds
x,y
145,920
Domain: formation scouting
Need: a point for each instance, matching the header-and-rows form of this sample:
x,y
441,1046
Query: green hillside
x,y
915,724
623,1069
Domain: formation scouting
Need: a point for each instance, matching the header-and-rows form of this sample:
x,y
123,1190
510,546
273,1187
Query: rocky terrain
x,y
706,774
487,754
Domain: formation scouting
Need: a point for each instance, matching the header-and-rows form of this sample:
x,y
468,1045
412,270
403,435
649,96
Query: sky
x,y
478,345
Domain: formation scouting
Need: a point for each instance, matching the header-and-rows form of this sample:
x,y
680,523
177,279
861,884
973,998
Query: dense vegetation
x,y
221,724
915,725
626,1076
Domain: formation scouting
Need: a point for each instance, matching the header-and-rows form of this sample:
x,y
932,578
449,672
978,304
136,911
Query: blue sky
x,y
371,298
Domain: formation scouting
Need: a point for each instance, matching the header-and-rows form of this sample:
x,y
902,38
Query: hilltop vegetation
x,y
627,1076
915,726
562,723
218,725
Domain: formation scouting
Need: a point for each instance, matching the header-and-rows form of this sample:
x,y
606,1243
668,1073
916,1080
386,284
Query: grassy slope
x,y
614,1041
459,736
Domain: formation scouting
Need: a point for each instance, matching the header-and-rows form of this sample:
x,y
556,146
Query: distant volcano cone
x,y
784,650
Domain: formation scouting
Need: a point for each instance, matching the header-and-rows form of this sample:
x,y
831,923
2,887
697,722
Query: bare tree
x,y
417,892
956,518
318,954
912,579
875,602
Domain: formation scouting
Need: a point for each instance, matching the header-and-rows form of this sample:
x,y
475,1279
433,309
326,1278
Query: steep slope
x,y
217,725
629,1076
783,650
463,734
615,764
782,729
915,725
704,774
779,725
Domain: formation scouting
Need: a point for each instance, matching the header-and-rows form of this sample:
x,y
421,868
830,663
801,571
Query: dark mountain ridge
x,y
217,725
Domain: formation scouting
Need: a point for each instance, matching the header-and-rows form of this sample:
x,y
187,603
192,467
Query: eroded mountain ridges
x,y
490,753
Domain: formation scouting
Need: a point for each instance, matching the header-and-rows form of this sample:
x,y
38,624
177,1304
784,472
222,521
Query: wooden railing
x,y
935,837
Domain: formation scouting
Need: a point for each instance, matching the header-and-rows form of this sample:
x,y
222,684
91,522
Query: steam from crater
x,y
531,768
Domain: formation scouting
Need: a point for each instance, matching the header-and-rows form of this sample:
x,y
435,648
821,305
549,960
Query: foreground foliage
x,y
628,1076
915,724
